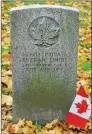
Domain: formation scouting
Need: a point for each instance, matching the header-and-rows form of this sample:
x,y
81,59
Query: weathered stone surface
x,y
44,55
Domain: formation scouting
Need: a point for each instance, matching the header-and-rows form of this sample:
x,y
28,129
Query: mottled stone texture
x,y
44,43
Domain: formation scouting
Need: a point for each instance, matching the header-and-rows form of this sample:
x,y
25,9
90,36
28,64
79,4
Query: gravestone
x,y
44,42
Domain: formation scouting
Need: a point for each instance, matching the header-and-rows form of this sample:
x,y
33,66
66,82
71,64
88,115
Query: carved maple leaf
x,y
82,107
44,31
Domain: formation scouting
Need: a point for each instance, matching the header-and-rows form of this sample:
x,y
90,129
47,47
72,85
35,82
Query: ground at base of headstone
x,y
28,127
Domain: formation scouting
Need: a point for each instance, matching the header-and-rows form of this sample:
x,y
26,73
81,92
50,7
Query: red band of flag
x,y
76,120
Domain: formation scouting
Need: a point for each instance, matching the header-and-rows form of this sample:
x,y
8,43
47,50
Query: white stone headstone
x,y
44,41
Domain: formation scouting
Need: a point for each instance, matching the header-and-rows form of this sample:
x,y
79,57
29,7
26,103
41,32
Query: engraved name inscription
x,y
43,61
44,31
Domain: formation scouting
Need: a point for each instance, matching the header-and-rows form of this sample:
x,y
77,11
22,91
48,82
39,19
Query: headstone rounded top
x,y
45,6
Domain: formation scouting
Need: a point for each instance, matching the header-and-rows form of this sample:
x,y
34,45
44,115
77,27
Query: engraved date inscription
x,y
43,61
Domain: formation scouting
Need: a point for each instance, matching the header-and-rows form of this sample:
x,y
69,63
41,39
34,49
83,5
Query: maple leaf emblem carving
x,y
82,107
44,31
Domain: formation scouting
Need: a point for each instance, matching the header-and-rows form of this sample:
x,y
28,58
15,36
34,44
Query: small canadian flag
x,y
80,110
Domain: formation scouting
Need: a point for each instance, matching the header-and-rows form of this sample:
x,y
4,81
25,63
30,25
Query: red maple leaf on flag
x,y
82,107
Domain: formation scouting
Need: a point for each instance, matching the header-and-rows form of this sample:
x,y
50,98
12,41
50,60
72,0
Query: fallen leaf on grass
x,y
21,122
25,130
58,129
66,132
9,117
6,63
6,73
71,132
50,2
6,99
11,129
8,82
6,56
29,123
5,132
